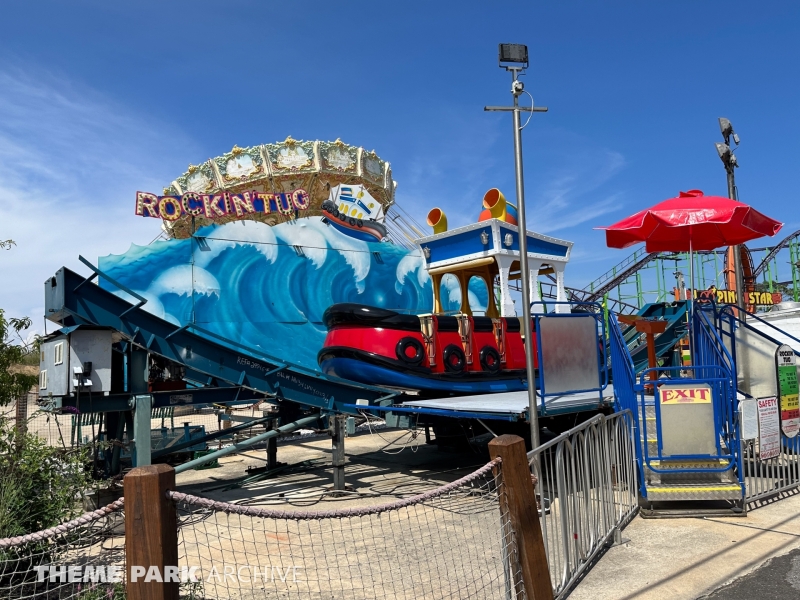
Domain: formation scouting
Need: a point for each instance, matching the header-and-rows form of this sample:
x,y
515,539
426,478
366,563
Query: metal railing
x,y
586,492
763,478
768,478
616,269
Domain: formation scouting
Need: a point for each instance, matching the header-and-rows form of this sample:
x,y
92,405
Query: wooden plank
x,y
519,501
151,533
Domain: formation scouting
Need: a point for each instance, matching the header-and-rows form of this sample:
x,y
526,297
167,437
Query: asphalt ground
x,y
778,579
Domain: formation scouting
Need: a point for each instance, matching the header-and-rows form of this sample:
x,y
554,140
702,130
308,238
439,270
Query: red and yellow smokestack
x,y
496,207
438,220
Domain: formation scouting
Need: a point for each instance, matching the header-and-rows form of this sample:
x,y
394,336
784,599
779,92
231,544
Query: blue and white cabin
x,y
490,249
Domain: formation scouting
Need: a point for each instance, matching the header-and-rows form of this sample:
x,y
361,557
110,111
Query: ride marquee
x,y
223,204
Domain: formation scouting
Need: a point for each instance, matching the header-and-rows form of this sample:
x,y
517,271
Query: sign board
x,y
769,429
729,296
687,420
680,394
787,390
749,410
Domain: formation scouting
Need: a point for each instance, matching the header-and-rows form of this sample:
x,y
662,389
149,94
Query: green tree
x,y
40,485
13,352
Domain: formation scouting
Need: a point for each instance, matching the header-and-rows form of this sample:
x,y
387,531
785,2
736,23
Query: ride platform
x,y
504,406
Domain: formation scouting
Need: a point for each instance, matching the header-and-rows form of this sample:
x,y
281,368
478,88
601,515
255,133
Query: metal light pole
x,y
518,54
729,160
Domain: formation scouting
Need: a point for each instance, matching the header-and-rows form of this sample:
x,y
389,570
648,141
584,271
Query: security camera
x,y
517,87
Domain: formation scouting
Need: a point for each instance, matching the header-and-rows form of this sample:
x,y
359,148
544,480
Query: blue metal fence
x,y
581,310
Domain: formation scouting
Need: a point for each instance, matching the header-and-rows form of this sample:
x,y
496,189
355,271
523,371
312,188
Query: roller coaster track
x,y
625,269
773,253
549,291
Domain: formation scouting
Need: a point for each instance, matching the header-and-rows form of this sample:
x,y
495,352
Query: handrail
x,y
631,258
721,378
720,344
622,276
730,312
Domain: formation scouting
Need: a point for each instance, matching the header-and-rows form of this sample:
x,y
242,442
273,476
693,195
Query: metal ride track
x,y
639,259
619,277
773,253
576,295
210,360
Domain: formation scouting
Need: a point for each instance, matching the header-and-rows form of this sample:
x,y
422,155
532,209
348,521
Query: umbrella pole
x,y
690,312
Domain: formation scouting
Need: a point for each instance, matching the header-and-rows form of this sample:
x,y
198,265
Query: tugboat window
x,y
450,294
478,295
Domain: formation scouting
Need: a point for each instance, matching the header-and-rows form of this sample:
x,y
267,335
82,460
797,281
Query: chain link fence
x,y
67,428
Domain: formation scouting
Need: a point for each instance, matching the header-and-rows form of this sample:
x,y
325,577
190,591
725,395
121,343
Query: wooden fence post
x,y
151,534
21,416
519,501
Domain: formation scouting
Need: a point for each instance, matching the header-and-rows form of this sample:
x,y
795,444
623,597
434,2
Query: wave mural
x,y
267,287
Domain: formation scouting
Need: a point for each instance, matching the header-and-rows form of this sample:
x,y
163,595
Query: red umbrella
x,y
690,222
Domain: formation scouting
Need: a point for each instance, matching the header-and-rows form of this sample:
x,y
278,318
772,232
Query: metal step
x,y
683,472
675,492
678,463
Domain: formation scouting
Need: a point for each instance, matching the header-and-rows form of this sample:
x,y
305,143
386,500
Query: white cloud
x,y
571,195
453,170
71,161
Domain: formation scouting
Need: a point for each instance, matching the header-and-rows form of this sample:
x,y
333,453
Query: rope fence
x,y
450,542
81,559
459,540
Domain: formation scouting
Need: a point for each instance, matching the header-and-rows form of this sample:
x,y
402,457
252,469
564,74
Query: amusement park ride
x,y
290,278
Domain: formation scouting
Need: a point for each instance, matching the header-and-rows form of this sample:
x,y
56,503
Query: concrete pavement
x,y
690,558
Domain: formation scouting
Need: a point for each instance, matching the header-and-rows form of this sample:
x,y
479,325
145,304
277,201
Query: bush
x,y
42,485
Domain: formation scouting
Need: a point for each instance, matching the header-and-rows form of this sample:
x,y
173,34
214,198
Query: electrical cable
x,y
414,435
247,242
531,113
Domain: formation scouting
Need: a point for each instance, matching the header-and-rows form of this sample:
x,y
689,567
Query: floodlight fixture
x,y
726,128
728,159
726,155
513,54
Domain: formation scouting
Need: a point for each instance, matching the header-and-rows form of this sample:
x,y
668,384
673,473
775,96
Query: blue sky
x,y
100,99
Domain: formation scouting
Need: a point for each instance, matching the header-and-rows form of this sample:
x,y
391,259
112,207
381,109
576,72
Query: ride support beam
x,y
338,424
289,427
142,408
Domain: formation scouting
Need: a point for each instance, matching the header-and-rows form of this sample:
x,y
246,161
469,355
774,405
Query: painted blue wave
x,y
267,287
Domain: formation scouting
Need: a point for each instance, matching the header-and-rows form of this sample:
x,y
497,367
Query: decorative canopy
x,y
314,166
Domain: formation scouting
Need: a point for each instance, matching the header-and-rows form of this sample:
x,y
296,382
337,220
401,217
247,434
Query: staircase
x,y
688,446
684,479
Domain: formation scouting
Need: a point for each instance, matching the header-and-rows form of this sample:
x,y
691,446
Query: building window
x,y
43,380
58,353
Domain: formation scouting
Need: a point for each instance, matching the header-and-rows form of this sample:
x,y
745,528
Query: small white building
x,y
76,358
